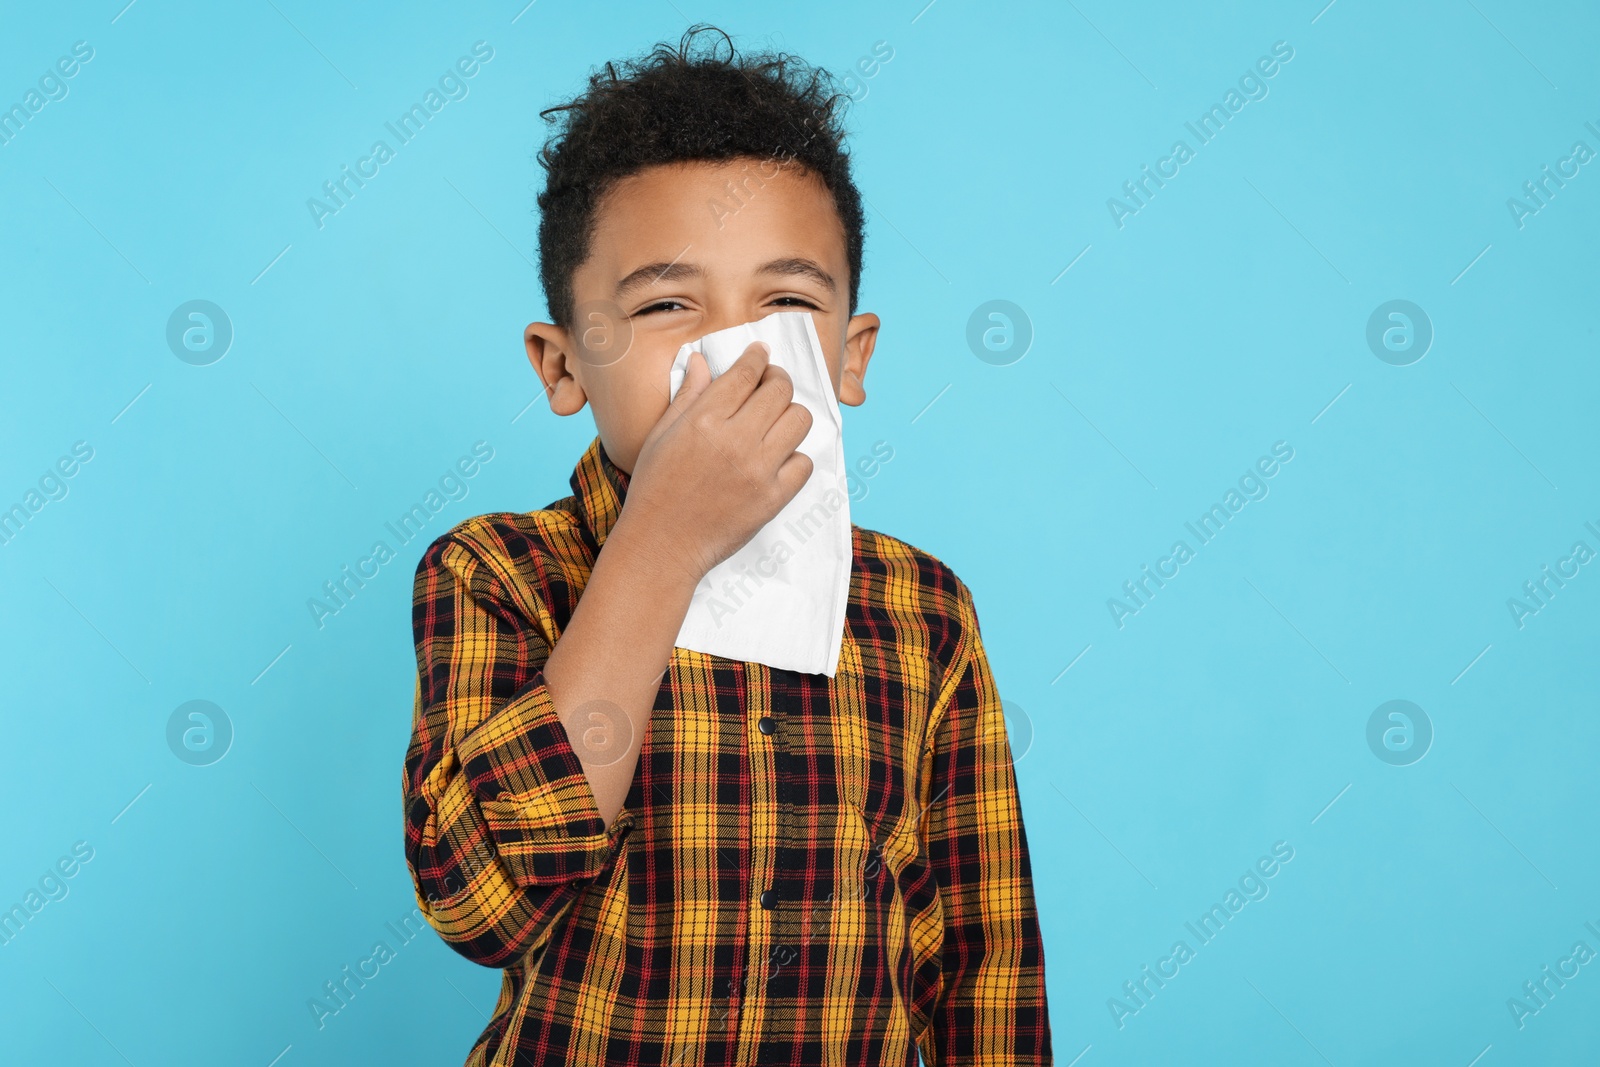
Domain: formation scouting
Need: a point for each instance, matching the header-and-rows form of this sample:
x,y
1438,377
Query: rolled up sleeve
x,y
501,826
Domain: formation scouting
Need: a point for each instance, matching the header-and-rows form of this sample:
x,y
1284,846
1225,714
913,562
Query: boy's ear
x,y
551,353
861,336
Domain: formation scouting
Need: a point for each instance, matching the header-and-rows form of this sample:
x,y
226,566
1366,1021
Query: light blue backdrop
x,y
1170,344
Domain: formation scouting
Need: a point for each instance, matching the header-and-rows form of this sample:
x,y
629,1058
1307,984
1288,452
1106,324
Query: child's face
x,y
683,250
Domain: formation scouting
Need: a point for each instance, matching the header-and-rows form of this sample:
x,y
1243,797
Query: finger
x,y
794,474
788,430
741,379
696,376
766,405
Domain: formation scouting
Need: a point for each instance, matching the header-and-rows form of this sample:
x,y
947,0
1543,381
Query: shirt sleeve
x,y
991,1006
501,826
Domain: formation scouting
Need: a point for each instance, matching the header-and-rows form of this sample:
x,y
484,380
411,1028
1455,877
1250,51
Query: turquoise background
x,y
1229,313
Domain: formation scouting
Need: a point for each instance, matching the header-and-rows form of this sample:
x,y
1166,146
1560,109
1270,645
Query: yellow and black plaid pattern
x,y
842,885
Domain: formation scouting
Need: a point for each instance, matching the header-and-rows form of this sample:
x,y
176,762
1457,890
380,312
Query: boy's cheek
x,y
631,397
602,333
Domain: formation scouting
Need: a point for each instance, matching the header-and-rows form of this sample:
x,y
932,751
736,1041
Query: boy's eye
x,y
673,305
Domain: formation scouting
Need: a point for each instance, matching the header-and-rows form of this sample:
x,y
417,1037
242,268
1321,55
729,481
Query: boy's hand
x,y
720,462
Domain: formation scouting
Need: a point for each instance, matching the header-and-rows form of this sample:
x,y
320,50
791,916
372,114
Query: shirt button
x,y
769,899
767,726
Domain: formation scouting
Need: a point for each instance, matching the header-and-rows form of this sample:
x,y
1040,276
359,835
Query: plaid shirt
x,y
805,871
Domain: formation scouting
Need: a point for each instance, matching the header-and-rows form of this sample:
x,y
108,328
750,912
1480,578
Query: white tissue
x,y
780,599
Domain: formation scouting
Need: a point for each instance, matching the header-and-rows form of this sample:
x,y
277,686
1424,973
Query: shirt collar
x,y
600,487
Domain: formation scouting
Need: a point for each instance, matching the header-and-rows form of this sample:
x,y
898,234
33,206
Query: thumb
x,y
696,376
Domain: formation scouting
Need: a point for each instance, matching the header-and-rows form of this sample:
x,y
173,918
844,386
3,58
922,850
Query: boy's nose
x,y
722,320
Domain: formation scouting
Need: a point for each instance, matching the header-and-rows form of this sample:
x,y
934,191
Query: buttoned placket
x,y
783,698
769,756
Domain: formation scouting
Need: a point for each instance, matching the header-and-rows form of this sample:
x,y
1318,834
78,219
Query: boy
x,y
679,858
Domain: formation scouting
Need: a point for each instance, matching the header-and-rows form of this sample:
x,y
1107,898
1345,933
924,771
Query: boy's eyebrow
x,y
804,267
667,272
656,272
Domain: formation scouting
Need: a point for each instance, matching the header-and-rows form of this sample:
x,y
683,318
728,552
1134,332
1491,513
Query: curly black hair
x,y
678,104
